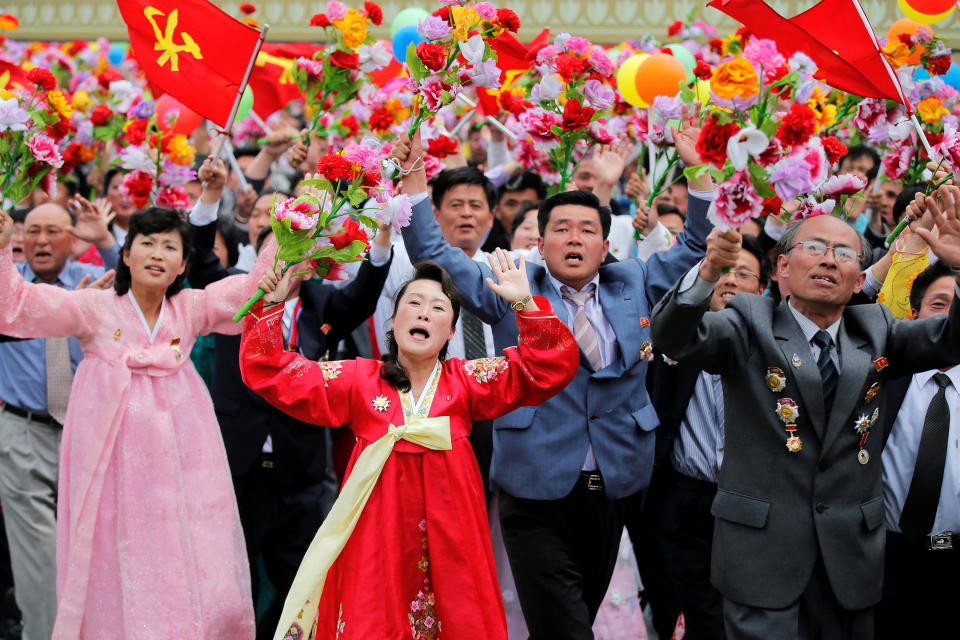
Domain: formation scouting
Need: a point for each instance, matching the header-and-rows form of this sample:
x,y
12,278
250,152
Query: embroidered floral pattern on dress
x,y
340,622
486,369
424,624
331,370
298,368
547,336
294,633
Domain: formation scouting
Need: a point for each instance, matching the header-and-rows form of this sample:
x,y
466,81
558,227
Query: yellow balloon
x,y
626,79
702,91
924,18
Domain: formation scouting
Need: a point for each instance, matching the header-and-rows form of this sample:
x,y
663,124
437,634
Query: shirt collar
x,y
810,328
953,373
559,285
67,276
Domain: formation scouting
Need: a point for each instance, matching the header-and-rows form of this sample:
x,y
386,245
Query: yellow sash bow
x,y
300,607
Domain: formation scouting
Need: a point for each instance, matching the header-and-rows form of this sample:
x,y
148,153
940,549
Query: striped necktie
x,y
583,331
59,373
828,371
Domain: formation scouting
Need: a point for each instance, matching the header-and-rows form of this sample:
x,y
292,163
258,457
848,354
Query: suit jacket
x,y
246,419
671,387
777,511
538,451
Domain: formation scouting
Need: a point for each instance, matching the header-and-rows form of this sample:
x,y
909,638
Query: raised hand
x,y
609,161
213,176
6,228
279,140
91,224
944,206
408,153
275,283
103,282
511,284
105,208
723,249
637,188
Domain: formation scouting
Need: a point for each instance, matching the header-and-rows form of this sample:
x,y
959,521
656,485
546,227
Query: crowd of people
x,y
567,404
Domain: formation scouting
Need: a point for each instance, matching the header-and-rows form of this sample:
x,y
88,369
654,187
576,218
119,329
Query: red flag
x,y
514,59
272,79
12,75
191,50
834,33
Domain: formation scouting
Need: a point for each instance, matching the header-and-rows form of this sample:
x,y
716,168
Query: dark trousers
x,y
641,514
685,538
481,441
920,589
562,553
817,615
278,523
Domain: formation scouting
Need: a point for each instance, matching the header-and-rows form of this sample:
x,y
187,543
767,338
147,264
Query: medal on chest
x,y
862,426
788,412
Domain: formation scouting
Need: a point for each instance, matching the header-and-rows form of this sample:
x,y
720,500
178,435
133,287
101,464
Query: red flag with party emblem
x,y
833,33
514,59
12,76
191,50
272,76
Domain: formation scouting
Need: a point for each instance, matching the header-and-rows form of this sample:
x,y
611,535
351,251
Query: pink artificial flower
x,y
395,211
842,184
736,202
897,161
537,122
600,133
949,150
546,55
432,166
763,53
870,113
601,63
336,10
810,208
312,67
363,155
302,215
578,45
486,11
432,91
44,149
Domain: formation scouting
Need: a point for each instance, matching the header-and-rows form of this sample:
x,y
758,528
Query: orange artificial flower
x,y
931,110
735,79
353,26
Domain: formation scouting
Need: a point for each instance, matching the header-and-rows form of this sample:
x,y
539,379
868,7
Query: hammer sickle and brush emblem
x,y
171,50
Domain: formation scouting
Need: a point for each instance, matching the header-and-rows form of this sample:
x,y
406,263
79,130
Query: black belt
x,y
30,416
591,480
696,485
948,541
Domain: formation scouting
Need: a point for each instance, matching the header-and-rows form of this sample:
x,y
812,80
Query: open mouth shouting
x,y
419,334
573,258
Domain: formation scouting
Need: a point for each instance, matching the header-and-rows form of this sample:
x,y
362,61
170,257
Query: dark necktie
x,y
828,371
920,507
474,344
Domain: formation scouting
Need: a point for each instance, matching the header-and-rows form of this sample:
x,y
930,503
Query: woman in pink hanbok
x,y
149,544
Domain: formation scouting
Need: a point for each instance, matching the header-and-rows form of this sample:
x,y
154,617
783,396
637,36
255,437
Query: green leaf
x,y
357,197
769,127
417,68
368,221
687,94
759,178
693,173
557,130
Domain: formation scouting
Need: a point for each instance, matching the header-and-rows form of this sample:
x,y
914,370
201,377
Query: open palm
x,y
944,206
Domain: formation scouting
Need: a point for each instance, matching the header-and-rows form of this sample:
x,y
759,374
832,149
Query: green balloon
x,y
685,56
410,15
246,103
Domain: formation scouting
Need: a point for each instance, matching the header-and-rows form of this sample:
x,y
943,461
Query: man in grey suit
x,y
798,545
564,468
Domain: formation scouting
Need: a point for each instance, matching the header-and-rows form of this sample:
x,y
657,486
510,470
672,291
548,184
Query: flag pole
x,y
490,119
243,86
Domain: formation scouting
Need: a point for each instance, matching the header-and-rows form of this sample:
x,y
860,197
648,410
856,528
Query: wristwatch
x,y
520,304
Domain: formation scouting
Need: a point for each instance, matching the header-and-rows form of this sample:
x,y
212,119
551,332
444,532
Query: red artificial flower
x,y
570,66
508,19
431,55
136,132
906,39
75,47
772,206
712,143
716,45
345,59
513,103
443,146
42,78
100,115
59,129
138,185
374,12
675,28
105,78
938,66
773,75
334,166
443,13
834,148
349,122
576,116
370,181
703,70
352,231
381,119
771,154
320,20
798,125
248,8
744,34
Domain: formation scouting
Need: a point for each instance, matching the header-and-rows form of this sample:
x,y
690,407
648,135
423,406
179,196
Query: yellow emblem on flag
x,y
264,58
171,50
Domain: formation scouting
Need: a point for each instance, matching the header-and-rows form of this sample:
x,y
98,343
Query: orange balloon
x,y
660,75
909,27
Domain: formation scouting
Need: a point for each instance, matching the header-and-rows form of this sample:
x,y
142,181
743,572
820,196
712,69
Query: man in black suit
x,y
677,526
279,464
921,484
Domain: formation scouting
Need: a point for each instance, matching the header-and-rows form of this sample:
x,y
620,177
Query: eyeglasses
x,y
747,276
842,254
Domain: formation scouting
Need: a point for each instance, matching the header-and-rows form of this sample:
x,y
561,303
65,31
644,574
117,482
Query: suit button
x,y
821,507
593,418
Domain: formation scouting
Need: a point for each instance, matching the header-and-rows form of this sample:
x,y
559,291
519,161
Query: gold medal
x,y
776,379
863,457
794,445
381,403
787,411
646,350
872,393
796,361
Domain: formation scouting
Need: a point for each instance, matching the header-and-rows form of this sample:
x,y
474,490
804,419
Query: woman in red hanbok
x,y
405,552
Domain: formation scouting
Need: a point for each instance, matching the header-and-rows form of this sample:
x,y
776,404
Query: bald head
x,y
46,241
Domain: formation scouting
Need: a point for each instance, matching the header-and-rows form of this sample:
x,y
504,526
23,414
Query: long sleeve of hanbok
x,y
310,391
544,361
30,310
214,306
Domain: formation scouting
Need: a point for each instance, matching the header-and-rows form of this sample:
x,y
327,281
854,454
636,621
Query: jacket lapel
x,y
807,375
855,363
625,326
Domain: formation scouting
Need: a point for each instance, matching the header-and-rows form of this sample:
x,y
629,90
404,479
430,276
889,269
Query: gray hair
x,y
786,243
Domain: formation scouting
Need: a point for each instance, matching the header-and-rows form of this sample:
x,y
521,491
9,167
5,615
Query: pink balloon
x,y
168,107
